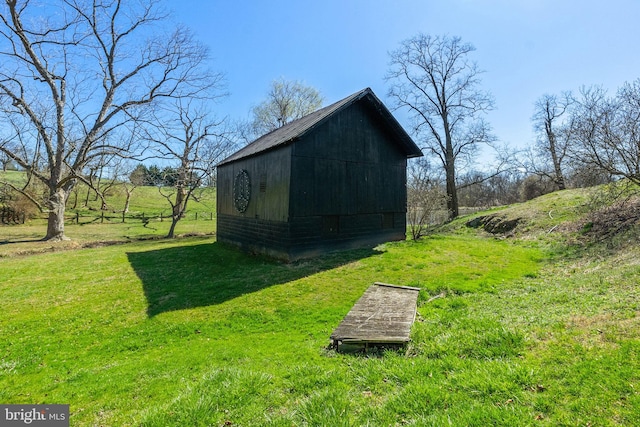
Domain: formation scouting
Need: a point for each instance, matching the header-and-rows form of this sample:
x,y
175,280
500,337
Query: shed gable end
x,y
349,165
334,179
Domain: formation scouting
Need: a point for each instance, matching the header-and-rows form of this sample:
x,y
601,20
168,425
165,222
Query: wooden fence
x,y
9,216
110,217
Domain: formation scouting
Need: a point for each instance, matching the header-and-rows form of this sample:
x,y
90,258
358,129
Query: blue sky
x,y
526,47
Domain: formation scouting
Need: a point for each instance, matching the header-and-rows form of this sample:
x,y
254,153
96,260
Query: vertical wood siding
x,y
341,185
270,178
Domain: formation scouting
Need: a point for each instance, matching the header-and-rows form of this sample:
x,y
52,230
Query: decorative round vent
x,y
242,190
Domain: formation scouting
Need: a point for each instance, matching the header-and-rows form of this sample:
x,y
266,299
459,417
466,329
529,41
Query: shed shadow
x,y
201,275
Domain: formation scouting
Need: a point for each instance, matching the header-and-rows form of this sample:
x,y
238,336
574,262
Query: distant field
x,y
148,216
541,328
146,200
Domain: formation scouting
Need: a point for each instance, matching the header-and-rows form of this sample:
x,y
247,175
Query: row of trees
x,y
581,140
103,83
590,131
96,81
153,176
99,84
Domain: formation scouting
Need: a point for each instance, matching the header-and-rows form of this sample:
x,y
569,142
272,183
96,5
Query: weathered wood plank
x,y
384,315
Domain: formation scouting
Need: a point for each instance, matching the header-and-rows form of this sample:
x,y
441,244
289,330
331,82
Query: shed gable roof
x,y
298,128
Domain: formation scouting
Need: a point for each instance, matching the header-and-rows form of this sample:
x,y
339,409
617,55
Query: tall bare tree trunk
x,y
55,224
450,170
86,199
557,169
178,210
128,199
172,229
452,192
432,77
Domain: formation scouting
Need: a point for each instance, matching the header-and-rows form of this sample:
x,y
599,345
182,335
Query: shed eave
x,y
236,157
297,129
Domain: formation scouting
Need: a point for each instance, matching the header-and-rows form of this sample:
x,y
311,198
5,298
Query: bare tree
x,y
132,178
607,135
552,123
497,190
101,177
426,198
535,186
75,84
286,101
5,160
112,175
195,142
436,81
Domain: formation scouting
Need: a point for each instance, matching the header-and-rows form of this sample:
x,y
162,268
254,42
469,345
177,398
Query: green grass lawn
x,y
144,200
147,200
190,332
26,239
149,217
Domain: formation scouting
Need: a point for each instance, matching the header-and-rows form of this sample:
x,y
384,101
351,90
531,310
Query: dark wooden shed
x,y
334,179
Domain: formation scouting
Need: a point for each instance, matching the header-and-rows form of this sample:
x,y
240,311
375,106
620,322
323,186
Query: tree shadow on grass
x,y
7,242
201,275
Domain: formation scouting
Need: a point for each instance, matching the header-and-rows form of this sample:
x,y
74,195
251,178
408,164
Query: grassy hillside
x,y
539,325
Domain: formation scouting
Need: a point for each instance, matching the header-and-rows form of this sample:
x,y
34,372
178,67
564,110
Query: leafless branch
x,y
435,80
81,83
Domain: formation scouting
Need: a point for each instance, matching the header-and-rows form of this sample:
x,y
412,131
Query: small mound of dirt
x,y
612,220
495,224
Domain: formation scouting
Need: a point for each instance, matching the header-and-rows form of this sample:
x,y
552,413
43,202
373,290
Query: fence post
x,y
196,215
102,217
123,214
161,218
210,216
77,217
